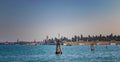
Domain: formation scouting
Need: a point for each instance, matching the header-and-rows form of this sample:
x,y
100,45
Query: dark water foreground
x,y
46,53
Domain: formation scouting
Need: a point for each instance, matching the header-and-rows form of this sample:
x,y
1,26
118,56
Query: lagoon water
x,y
46,53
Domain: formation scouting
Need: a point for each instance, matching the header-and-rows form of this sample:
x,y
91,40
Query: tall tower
x,y
47,37
46,40
17,39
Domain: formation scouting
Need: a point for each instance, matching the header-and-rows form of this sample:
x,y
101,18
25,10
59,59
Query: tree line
x,y
100,37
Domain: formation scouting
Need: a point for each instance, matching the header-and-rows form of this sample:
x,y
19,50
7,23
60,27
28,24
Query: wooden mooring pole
x,y
58,47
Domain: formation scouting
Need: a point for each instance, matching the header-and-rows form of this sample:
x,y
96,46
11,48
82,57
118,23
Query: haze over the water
x,y
34,19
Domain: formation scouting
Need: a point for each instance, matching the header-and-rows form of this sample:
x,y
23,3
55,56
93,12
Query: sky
x,y
35,19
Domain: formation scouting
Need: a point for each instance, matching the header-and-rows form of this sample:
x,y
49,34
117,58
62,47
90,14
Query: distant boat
x,y
112,43
81,43
68,45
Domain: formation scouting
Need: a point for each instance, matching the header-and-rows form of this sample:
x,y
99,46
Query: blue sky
x,y
35,19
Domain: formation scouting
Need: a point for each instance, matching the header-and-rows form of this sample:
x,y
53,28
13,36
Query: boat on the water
x,y
68,45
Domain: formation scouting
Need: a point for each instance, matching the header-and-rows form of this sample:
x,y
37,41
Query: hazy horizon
x,y
35,19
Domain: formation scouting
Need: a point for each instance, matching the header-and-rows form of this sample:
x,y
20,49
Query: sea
x,y
46,53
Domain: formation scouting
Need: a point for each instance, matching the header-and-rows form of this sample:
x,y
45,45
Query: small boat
x,y
68,45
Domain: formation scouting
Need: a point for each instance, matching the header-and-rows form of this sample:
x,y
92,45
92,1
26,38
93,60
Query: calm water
x,y
46,53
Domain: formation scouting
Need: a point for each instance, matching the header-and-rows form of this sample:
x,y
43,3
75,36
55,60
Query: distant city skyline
x,y
36,19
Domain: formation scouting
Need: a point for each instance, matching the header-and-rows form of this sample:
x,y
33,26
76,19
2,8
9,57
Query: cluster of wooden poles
x,y
59,51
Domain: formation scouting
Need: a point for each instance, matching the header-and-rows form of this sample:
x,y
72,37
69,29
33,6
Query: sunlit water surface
x,y
46,53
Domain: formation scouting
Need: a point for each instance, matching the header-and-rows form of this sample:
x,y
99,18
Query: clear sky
x,y
35,19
